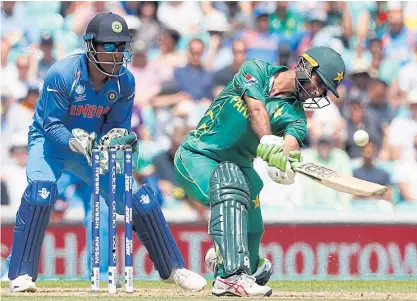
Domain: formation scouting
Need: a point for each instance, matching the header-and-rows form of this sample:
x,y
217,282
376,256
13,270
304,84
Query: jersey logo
x,y
51,90
80,89
111,96
88,111
44,193
249,79
117,27
144,199
278,112
339,77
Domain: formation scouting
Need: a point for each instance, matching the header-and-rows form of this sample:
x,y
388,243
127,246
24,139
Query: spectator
x,y
324,153
169,57
328,121
24,79
225,75
360,77
134,25
402,130
244,17
24,108
370,172
88,10
148,75
285,21
381,67
316,21
182,16
284,55
7,101
14,173
193,81
407,78
338,15
8,70
164,169
260,43
360,119
48,59
13,22
150,28
399,41
377,101
405,175
218,55
193,86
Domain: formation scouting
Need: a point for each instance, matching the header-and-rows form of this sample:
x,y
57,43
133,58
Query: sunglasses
x,y
112,47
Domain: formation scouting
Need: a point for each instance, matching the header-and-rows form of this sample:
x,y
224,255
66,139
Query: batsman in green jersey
x,y
259,113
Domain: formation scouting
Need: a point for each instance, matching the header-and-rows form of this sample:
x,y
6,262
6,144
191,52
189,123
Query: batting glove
x,y
279,167
269,145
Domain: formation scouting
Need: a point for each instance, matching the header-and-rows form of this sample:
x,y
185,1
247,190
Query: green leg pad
x,y
229,201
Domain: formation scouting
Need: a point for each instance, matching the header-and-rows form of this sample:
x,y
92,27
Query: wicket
x,y
95,258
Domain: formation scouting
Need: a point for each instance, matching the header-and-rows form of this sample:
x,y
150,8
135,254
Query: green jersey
x,y
225,132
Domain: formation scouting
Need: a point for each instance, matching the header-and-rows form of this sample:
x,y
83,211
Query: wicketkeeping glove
x,y
120,137
83,143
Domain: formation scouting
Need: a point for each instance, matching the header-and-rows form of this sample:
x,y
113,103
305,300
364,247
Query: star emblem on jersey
x,y
111,96
117,27
278,112
249,79
339,77
257,202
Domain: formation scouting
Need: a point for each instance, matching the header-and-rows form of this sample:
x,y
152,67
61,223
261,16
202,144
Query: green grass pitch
x,y
282,290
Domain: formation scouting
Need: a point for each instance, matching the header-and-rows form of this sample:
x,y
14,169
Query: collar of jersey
x,y
84,69
274,70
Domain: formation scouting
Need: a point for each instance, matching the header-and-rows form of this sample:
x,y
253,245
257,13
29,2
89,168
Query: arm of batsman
x,y
280,166
83,143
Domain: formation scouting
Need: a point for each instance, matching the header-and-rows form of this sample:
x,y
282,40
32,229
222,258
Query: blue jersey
x,y
68,101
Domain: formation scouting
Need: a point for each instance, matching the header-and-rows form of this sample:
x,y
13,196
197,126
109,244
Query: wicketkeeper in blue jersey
x,y
87,99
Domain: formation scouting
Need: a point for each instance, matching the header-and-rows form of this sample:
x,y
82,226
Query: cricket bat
x,y
339,182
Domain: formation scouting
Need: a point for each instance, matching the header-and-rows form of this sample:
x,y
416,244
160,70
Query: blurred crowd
x,y
186,52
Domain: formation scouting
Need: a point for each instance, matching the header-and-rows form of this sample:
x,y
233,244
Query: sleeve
x,y
298,129
56,104
251,80
386,180
287,119
120,114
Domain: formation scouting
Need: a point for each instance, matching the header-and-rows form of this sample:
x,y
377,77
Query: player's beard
x,y
112,67
309,101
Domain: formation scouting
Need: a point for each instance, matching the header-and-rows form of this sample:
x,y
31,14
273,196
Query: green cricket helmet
x,y
328,65
111,31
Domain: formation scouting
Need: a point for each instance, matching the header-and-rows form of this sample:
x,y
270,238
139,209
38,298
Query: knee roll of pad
x,y
153,231
32,219
228,183
229,198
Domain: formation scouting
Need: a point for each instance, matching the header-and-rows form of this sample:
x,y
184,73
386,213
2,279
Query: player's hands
x,y
119,137
269,145
279,166
83,143
113,134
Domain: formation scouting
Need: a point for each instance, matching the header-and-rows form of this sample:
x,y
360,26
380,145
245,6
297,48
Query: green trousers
x,y
193,172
